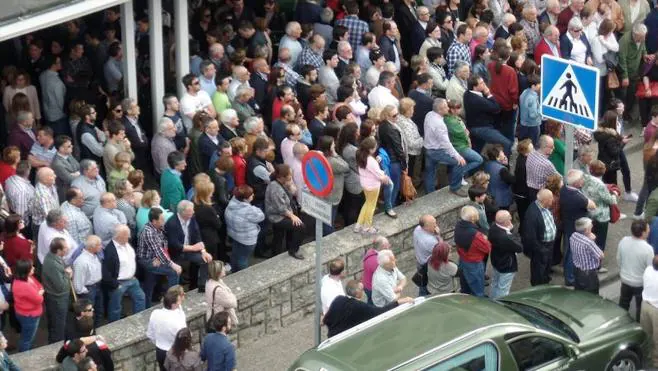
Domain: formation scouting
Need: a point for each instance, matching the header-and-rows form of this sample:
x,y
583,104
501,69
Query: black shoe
x,y
297,255
263,255
568,284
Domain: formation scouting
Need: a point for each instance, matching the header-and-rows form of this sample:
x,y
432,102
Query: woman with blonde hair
x,y
411,137
219,296
123,168
150,199
21,84
208,216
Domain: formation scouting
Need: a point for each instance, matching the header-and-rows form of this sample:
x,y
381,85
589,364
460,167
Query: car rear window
x,y
542,320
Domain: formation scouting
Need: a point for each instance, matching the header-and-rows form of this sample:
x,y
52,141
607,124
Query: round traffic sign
x,y
318,176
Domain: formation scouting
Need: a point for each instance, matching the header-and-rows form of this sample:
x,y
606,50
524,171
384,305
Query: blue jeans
x,y
95,297
434,157
472,278
569,275
387,196
240,255
396,174
500,284
531,132
150,273
491,135
29,326
130,287
329,229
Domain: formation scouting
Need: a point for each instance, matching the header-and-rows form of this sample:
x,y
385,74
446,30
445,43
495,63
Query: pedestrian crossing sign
x,y
569,92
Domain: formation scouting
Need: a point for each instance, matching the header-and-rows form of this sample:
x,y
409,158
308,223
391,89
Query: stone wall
x,y
273,294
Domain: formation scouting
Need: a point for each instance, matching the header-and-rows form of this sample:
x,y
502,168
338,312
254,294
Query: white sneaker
x,y
464,182
603,270
227,268
630,196
622,216
357,228
638,217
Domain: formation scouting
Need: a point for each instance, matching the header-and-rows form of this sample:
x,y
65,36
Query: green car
x,y
542,328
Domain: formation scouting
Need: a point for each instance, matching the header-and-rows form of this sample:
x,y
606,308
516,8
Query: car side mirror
x,y
573,351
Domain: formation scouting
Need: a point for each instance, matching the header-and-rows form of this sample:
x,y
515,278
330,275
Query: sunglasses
x,y
118,110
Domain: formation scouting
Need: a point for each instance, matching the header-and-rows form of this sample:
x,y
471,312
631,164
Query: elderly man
x,y
45,197
291,42
107,217
349,310
66,167
459,50
370,264
425,236
152,256
472,247
538,235
55,277
539,167
312,53
502,32
573,10
291,77
22,135
79,225
241,104
119,268
345,56
438,149
634,256
380,96
135,134
387,281
456,86
116,142
632,56
91,184
549,44
587,256
19,191
504,247
241,77
163,144
331,285
184,244
55,227
194,100
230,125
530,25
550,13
573,206
87,274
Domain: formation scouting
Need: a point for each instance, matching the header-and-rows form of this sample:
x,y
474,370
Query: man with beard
x,y
217,348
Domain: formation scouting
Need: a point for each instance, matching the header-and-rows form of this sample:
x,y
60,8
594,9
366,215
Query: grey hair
x,y
543,140
92,241
162,124
228,115
582,224
215,48
343,45
639,28
437,103
119,228
290,26
575,22
53,217
574,176
421,8
326,15
380,242
126,103
509,18
460,64
384,257
86,164
468,213
184,205
237,70
251,123
242,90
585,150
549,30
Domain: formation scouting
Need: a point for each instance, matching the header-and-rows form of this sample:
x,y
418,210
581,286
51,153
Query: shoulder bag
x,y
209,327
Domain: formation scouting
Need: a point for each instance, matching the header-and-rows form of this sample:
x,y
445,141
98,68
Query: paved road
x,y
278,351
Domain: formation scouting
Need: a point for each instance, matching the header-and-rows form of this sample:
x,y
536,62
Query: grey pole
x,y
318,278
568,155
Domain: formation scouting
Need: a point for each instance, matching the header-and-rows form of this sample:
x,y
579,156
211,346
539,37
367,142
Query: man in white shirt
x,y
387,282
241,77
426,235
381,96
634,255
165,323
55,226
291,42
194,100
332,283
87,274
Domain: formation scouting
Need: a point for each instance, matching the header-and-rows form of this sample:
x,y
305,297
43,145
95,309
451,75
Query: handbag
x,y
611,60
613,80
209,327
420,277
641,92
615,213
407,187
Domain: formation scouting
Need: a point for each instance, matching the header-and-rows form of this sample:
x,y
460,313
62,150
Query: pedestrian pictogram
x,y
570,92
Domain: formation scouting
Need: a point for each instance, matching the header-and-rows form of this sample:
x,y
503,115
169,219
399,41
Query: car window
x,y
542,320
483,357
534,351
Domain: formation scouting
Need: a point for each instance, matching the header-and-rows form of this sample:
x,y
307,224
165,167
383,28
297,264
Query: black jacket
x,y
520,186
176,236
387,47
317,130
533,230
390,140
424,104
110,267
610,148
260,88
207,148
480,111
346,312
138,144
221,195
209,222
503,250
573,205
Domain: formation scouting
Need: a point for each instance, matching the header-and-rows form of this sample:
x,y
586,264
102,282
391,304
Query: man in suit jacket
x,y
481,110
549,44
136,135
171,185
184,243
538,236
66,167
117,285
503,254
258,80
405,18
422,95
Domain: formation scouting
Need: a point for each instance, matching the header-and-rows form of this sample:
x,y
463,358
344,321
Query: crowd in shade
x,y
108,210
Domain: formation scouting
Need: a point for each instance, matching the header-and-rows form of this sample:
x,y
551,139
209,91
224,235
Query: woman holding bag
x,y
604,50
218,295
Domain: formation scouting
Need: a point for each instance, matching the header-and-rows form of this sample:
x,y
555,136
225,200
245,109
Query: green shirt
x,y
221,102
557,157
631,57
55,280
457,132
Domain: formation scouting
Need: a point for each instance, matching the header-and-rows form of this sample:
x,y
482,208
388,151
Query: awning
x,y
20,17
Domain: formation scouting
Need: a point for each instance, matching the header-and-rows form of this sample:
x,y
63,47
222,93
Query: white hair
x,y
582,224
92,241
184,205
251,123
120,228
575,22
640,28
509,18
380,242
291,26
343,45
384,257
468,213
164,123
228,115
574,176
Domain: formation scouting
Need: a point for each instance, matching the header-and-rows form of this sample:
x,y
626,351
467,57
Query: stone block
x,y
286,308
299,280
251,334
273,320
293,317
257,318
303,296
261,306
353,260
150,357
244,318
253,299
123,353
280,293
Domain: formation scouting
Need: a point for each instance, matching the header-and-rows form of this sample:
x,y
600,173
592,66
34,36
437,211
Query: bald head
x,y
545,197
122,234
504,218
428,223
108,200
284,55
46,176
93,244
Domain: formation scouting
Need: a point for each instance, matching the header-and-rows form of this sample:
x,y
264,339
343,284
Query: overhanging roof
x,y
20,17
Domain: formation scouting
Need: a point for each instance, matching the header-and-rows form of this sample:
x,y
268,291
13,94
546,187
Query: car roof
x,y
388,341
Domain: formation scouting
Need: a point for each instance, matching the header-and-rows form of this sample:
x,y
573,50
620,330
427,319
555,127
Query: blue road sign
x,y
318,176
569,92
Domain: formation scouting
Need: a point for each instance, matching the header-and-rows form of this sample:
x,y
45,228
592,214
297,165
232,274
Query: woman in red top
x,y
28,302
239,149
17,247
10,157
504,87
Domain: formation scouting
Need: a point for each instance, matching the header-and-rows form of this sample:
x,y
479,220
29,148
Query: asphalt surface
x,y
278,351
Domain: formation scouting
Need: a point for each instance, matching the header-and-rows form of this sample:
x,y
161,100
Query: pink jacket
x,y
369,268
371,177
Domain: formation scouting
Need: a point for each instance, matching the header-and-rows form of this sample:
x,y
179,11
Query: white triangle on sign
x,y
567,96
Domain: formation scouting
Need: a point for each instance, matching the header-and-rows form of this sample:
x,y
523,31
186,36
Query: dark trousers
x,y
57,308
540,264
95,297
645,105
198,269
292,234
522,204
610,176
351,207
160,356
628,293
600,229
628,94
586,280
557,246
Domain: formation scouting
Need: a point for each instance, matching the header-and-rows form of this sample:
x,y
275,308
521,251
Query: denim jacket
x,y
530,111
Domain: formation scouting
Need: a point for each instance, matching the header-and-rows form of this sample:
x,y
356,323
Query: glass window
x,y
483,357
535,351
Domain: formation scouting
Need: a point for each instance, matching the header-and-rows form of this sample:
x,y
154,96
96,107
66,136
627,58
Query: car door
x,y
537,352
482,357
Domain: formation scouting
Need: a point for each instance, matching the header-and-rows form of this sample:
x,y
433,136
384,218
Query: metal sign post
x,y
319,179
568,152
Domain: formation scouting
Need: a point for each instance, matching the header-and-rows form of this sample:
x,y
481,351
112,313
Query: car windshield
x,y
542,320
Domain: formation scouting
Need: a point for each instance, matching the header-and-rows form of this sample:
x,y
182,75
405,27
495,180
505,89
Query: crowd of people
x,y
98,205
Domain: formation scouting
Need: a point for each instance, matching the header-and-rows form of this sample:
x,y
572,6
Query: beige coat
x,y
225,300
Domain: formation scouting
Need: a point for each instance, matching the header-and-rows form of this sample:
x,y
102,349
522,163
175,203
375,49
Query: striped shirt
x,y
356,28
45,199
152,245
42,153
538,168
79,226
457,52
87,271
20,194
586,254
549,223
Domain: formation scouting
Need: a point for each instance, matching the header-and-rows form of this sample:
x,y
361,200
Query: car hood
x,y
587,314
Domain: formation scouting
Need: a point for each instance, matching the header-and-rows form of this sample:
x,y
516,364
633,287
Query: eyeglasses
x,y
578,30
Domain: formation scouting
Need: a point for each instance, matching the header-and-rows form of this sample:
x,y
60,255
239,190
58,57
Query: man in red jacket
x,y
549,44
571,11
472,247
